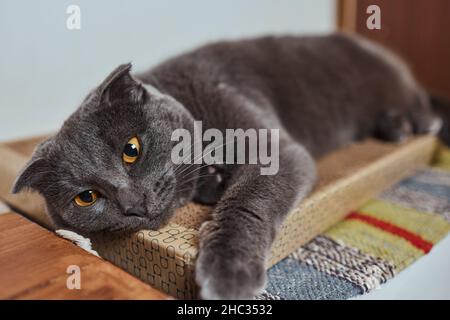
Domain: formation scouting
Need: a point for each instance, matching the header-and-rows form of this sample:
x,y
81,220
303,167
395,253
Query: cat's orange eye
x,y
86,198
131,151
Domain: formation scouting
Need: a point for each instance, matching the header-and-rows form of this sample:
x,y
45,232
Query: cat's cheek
x,y
87,219
55,217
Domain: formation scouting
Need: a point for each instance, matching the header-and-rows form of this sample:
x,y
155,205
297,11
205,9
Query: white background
x,y
46,69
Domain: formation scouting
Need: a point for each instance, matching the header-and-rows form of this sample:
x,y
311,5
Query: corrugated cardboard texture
x,y
165,258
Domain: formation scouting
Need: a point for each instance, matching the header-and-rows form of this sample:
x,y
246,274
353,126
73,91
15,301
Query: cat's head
x,y
109,168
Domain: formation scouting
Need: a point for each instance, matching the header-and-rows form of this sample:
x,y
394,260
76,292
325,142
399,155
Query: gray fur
x,y
321,92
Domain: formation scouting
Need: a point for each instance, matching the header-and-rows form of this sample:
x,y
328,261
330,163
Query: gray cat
x,y
109,167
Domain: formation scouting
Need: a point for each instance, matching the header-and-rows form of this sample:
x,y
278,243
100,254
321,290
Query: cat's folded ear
x,y
32,175
36,172
120,85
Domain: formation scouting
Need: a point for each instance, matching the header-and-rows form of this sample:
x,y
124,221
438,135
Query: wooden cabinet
x,y
418,30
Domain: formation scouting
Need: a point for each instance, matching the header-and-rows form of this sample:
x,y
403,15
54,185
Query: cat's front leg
x,y
235,243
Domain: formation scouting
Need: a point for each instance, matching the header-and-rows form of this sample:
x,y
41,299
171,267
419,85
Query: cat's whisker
x,y
178,166
195,170
199,177
190,153
201,157
213,149
183,190
210,151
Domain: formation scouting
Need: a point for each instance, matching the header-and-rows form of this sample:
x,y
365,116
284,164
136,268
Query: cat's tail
x,y
442,108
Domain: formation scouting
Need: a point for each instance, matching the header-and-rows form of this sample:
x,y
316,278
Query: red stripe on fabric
x,y
414,239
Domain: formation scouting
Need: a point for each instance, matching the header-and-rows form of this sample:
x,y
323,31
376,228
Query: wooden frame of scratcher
x,y
165,258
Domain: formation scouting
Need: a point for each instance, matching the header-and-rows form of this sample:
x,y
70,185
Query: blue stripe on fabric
x,y
292,280
436,190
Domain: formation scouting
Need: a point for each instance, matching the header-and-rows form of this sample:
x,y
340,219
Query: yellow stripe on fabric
x,y
376,242
442,157
430,226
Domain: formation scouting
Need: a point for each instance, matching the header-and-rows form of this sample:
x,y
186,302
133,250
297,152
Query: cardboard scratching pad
x,y
165,258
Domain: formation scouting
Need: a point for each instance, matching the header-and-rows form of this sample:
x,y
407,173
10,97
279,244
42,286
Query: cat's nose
x,y
137,211
131,202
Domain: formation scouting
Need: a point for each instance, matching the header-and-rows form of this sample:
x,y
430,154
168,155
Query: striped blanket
x,y
373,243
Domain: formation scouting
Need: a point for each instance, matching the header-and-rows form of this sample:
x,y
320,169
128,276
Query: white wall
x,y
46,69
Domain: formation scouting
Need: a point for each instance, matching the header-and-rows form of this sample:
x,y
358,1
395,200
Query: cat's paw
x,y
393,126
210,185
228,272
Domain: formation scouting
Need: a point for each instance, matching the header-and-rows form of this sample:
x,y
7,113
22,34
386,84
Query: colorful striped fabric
x,y
373,243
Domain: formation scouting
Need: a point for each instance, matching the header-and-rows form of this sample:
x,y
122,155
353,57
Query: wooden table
x,y
34,262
